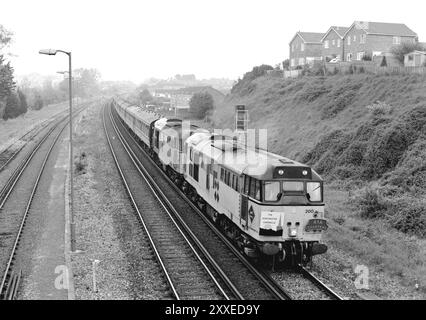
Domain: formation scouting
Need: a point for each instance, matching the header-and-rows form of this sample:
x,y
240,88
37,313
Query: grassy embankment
x,y
366,135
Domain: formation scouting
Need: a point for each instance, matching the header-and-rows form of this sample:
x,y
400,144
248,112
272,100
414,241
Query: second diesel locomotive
x,y
267,204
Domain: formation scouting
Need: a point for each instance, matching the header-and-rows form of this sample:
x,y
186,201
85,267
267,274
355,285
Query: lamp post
x,y
52,52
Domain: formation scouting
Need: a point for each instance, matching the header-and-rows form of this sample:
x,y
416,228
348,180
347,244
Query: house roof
x,y
416,52
384,28
339,30
309,37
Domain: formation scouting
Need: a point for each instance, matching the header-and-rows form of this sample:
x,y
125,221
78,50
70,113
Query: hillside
x,y
365,130
366,135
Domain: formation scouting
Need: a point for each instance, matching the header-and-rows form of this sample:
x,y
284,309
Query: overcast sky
x,y
134,40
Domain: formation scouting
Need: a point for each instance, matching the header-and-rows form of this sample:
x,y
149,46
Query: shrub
x,y
370,203
81,164
409,216
379,108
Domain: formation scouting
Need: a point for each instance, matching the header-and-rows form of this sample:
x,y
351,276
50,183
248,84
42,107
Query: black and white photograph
x,y
205,158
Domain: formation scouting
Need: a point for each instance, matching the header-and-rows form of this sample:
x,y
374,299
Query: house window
x,y
338,43
333,42
349,41
360,55
362,39
349,57
301,61
354,38
326,44
410,58
396,40
302,47
292,62
292,48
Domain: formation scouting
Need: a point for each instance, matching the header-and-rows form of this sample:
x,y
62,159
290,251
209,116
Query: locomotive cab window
x,y
272,191
314,191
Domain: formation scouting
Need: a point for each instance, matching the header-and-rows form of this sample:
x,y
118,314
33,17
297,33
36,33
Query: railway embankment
x,y
366,135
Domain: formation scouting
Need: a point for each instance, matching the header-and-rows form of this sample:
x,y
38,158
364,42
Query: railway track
x,y
16,198
241,278
318,283
187,275
8,154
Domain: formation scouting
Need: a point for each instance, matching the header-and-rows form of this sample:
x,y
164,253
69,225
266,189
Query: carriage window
x,y
252,192
233,181
246,184
227,177
257,190
271,190
222,174
237,183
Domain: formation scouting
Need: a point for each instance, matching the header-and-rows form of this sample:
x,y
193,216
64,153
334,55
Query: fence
x,y
371,67
292,73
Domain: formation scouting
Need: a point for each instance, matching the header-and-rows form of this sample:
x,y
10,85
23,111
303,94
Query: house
x,y
415,59
333,43
305,48
374,38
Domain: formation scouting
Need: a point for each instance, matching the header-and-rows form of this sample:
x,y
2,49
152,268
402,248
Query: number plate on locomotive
x,y
316,224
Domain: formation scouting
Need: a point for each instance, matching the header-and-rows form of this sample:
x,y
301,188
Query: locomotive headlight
x,y
304,172
292,232
281,172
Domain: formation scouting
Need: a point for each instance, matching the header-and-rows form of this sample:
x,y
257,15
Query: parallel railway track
x,y
16,197
187,275
243,280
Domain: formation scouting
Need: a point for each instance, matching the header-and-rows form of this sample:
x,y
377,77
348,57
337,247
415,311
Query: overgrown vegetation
x,y
356,130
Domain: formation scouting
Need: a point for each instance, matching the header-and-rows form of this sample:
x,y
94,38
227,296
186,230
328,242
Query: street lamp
x,y
52,52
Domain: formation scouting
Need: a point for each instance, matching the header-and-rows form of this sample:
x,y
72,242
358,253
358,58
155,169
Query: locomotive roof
x,y
240,159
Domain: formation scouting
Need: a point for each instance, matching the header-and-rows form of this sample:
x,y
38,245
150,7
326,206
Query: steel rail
x,y
21,168
158,255
27,208
269,283
318,283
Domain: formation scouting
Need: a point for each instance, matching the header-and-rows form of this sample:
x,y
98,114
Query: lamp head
x,y
49,52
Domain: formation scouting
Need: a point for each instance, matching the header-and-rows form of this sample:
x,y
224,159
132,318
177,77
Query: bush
x,y
380,108
409,216
370,203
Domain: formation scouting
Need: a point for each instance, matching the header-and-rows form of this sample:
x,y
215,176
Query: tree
x,y
23,100
7,84
406,47
145,96
201,104
286,64
5,37
13,106
384,62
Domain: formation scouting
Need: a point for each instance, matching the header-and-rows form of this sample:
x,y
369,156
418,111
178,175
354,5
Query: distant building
x,y
180,101
333,43
305,48
415,59
374,38
361,40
